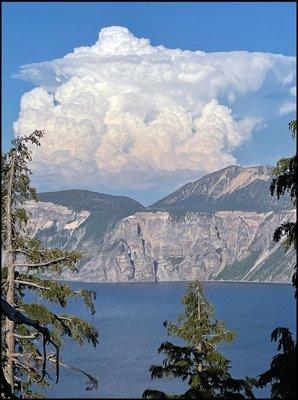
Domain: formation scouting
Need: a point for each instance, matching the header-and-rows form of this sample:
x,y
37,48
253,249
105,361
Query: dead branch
x,y
42,264
92,382
28,283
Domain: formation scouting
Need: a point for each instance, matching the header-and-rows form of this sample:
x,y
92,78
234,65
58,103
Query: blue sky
x,y
36,32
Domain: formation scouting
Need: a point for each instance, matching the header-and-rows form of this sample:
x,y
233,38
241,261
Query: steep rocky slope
x,y
151,246
104,210
219,227
231,188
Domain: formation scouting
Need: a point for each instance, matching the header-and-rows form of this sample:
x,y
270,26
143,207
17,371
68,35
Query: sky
x,y
140,98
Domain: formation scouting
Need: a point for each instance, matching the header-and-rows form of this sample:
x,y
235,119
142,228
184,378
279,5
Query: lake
x,y
130,317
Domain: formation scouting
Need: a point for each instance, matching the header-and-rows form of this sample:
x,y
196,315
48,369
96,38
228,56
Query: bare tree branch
x,y
90,384
43,264
32,336
28,283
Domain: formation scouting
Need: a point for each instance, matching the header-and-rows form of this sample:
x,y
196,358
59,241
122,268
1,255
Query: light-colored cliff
x,y
150,246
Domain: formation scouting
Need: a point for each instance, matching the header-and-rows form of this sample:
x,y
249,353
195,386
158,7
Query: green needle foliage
x,y
282,373
286,182
198,362
31,333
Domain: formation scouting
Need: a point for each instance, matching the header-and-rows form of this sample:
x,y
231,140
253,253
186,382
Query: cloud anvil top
x,y
125,114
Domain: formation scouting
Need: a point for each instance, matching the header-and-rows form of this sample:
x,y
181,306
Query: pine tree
x,y
286,182
199,362
28,328
282,372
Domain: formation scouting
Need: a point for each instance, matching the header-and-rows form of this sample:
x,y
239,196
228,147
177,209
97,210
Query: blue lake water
x,y
130,317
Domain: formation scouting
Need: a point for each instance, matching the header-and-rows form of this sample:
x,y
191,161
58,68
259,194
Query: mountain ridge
x,y
222,231
231,188
105,209
52,194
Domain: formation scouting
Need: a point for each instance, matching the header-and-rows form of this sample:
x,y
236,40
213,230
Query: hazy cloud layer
x,y
123,114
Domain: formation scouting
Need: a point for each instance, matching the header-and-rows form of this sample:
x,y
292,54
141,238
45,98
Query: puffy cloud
x,y
287,108
124,114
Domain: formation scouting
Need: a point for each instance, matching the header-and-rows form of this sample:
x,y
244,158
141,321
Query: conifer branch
x,y
33,336
27,283
90,384
19,318
43,264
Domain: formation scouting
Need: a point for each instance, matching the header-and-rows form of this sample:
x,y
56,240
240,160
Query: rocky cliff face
x,y
156,246
122,241
104,210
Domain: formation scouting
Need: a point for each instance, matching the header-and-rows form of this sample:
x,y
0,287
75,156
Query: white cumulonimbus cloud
x,y
124,115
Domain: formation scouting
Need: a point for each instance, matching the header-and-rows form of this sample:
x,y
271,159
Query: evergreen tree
x,y
28,328
199,362
286,182
282,372
283,369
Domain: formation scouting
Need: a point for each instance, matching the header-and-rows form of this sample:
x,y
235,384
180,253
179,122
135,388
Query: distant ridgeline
x,y
231,189
219,227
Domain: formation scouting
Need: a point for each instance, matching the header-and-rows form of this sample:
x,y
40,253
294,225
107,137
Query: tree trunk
x,y
200,343
10,261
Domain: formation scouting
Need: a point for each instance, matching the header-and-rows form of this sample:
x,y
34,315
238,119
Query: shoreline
x,y
184,281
